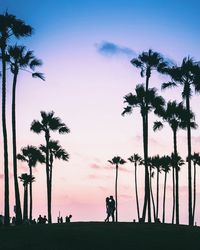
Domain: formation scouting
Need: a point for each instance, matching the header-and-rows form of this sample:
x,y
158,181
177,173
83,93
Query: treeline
x,y
177,116
14,59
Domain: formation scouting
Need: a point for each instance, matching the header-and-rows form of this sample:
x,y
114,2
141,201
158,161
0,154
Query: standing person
x,y
108,210
112,207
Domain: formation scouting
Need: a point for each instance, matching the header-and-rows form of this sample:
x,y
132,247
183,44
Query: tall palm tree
x,y
196,161
146,101
176,115
188,76
26,179
117,160
32,156
19,59
165,161
136,159
48,123
147,62
56,152
9,26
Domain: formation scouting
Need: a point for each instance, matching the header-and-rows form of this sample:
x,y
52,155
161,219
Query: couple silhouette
x,y
110,208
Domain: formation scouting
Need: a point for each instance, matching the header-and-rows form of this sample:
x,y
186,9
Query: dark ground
x,y
100,236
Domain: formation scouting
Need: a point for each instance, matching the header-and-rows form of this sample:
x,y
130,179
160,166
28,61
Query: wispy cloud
x,y
111,49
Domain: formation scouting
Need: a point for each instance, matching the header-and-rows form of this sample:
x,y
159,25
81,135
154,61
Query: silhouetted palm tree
x,y
188,76
32,156
117,160
176,115
48,123
151,176
148,61
156,162
26,179
196,161
146,101
136,159
56,152
176,162
165,161
9,26
19,59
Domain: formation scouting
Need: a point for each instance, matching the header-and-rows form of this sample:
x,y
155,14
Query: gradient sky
x,y
86,47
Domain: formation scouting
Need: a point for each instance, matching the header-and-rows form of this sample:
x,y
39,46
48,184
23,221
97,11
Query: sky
x,y
86,47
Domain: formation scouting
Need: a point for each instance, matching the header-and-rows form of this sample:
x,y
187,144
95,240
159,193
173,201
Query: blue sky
x,y
86,47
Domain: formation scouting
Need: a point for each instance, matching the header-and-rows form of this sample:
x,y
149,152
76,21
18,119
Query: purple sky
x,y
86,47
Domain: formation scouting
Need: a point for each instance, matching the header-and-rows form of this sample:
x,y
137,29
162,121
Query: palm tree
x,y
147,62
48,123
156,162
196,161
176,115
19,59
151,176
165,161
136,159
117,160
188,76
146,101
32,156
26,179
176,162
56,152
9,26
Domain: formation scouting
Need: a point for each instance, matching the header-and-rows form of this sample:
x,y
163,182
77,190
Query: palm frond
x,y
38,75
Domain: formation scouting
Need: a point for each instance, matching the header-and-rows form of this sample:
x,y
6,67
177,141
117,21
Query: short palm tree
x,y
48,123
136,159
26,179
10,26
146,101
19,59
151,176
165,162
56,152
176,115
32,156
156,162
196,161
117,160
188,76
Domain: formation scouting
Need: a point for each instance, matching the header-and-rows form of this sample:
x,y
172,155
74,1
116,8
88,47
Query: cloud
x,y
111,49
95,166
1,176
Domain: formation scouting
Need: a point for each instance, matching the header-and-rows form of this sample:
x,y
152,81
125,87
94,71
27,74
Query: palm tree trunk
x,y
50,181
116,178
31,197
5,142
25,212
157,194
136,192
191,221
177,177
194,193
17,196
164,195
173,183
47,137
148,74
146,173
152,198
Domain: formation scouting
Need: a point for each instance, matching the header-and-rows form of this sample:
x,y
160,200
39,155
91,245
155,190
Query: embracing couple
x,y
110,208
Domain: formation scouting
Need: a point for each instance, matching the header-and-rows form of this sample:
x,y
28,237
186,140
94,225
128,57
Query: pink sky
x,y
86,89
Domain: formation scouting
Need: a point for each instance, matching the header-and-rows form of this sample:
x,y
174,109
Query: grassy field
x,y
100,236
